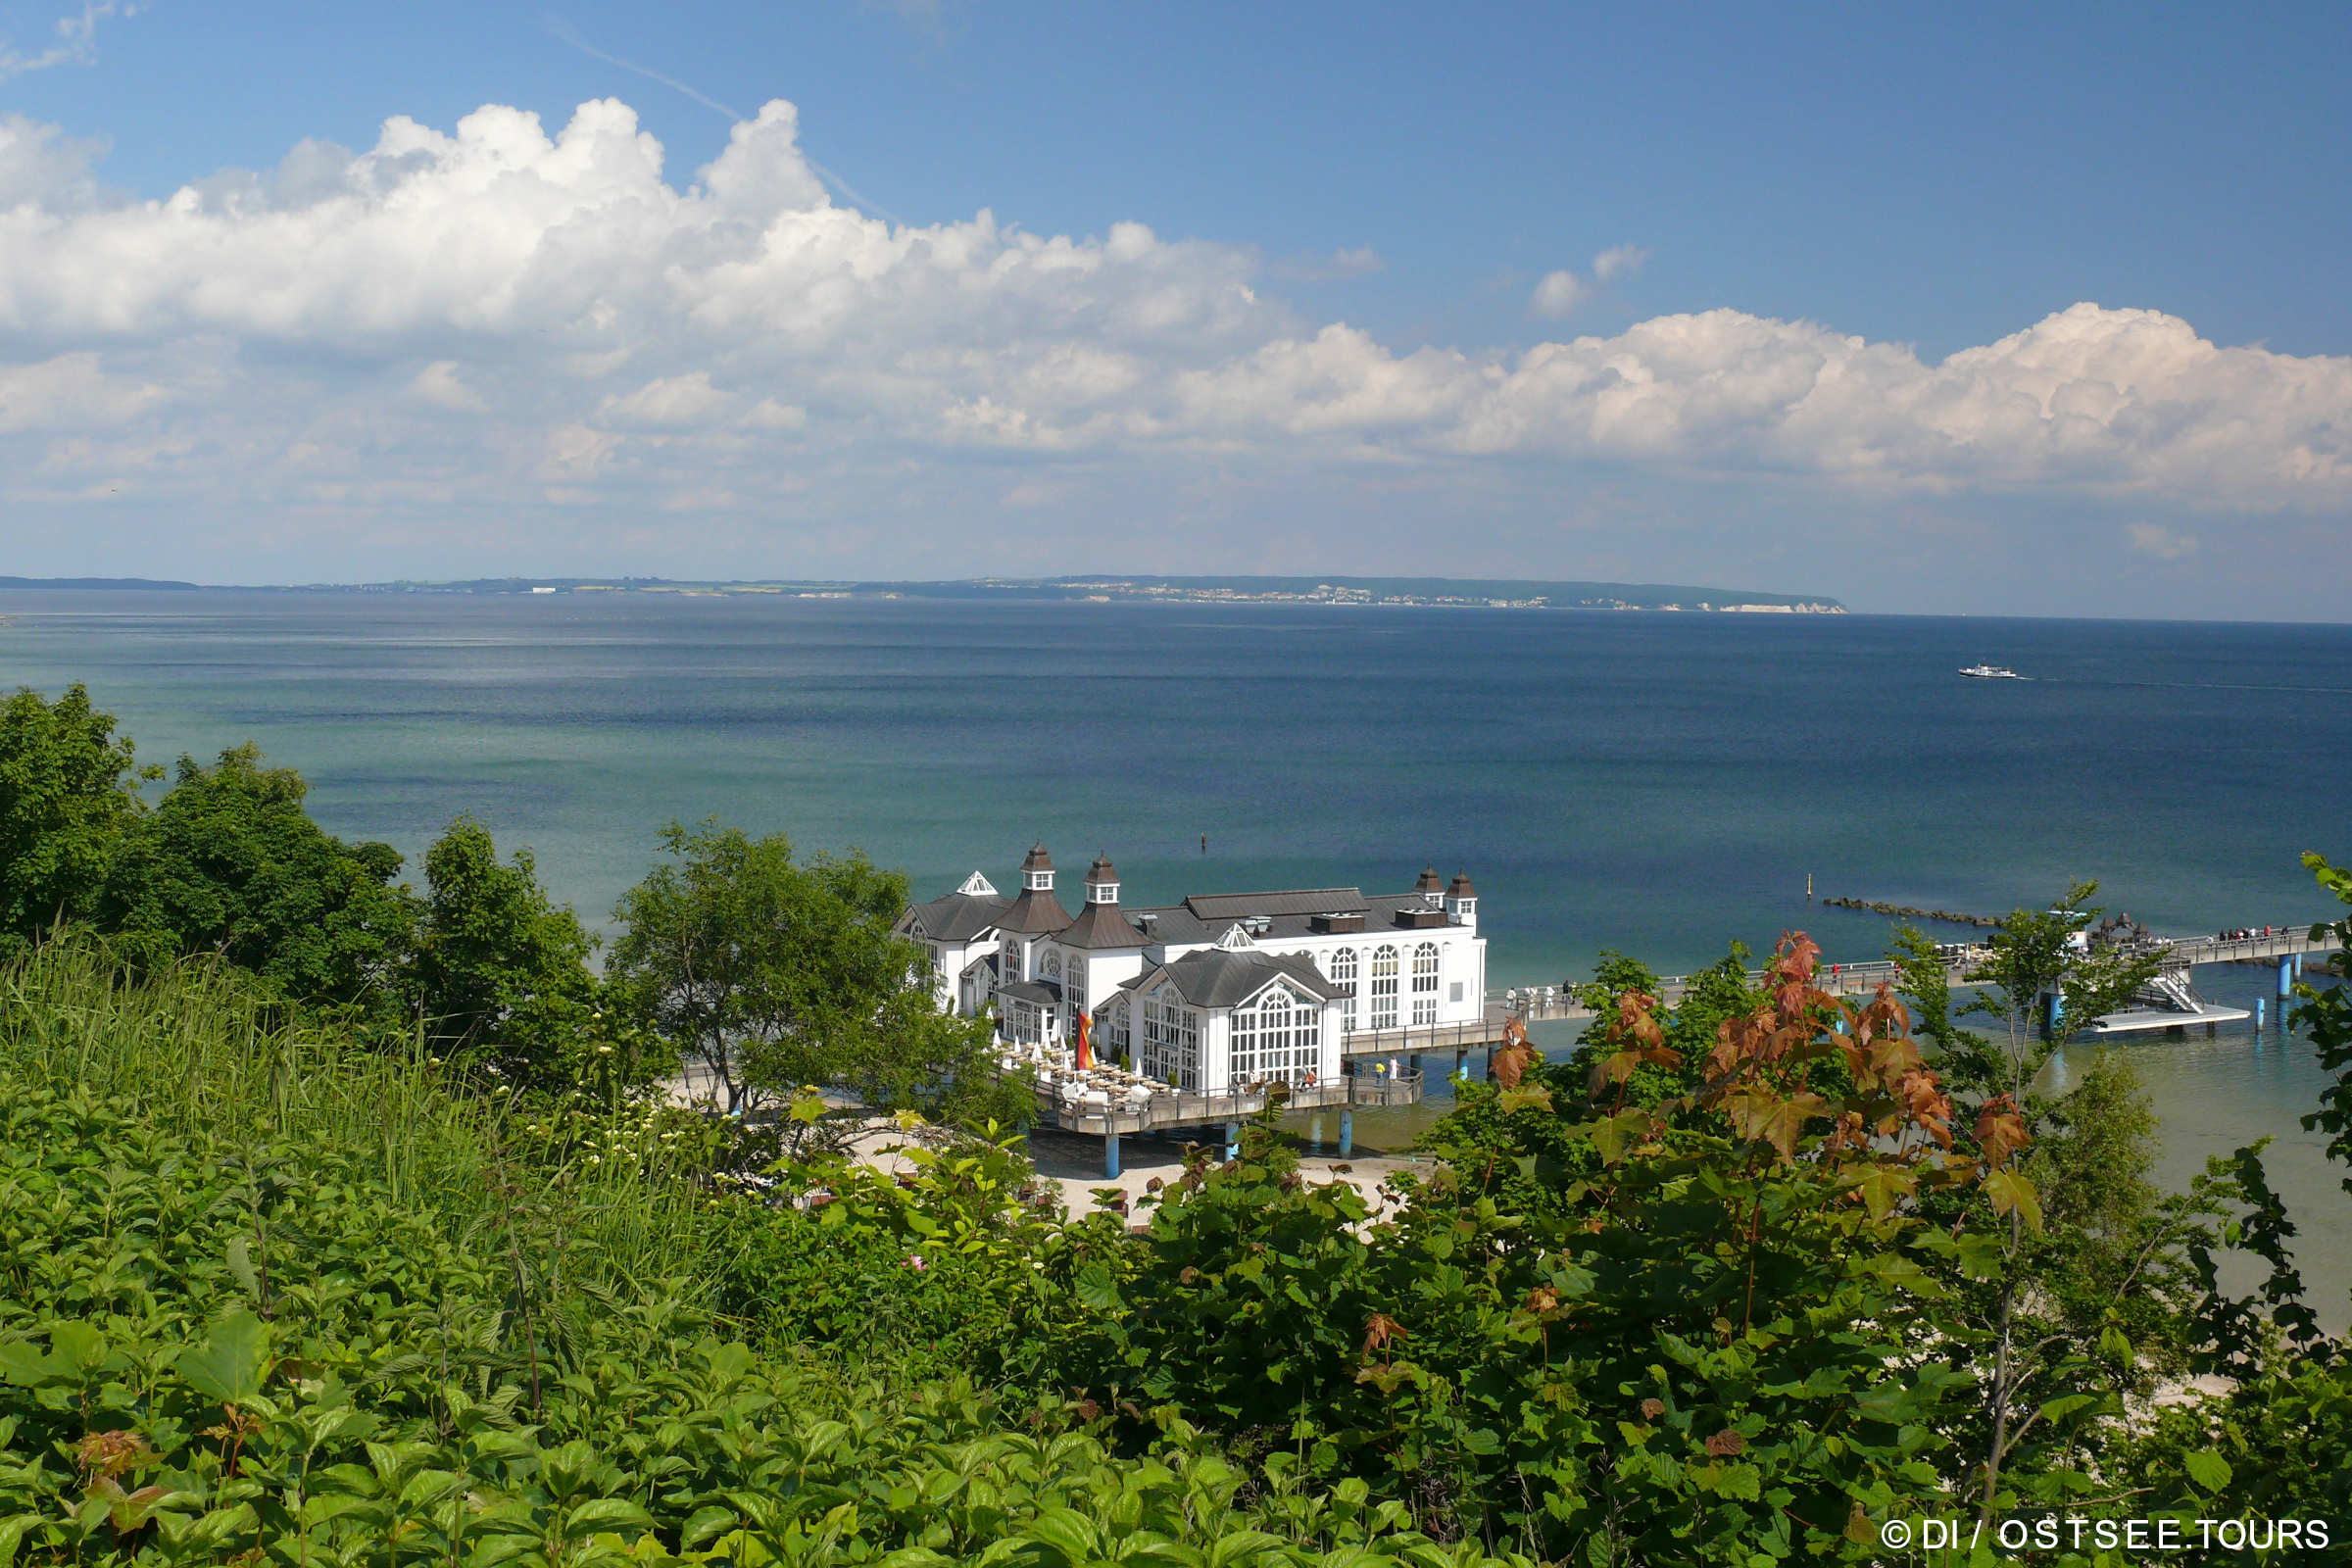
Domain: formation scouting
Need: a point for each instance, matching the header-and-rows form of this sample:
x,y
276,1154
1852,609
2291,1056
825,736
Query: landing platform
x,y
2150,1020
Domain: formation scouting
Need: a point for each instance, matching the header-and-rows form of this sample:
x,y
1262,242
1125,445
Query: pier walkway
x,y
1549,1004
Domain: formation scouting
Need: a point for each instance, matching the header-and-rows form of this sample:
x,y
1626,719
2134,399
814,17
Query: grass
x,y
201,1051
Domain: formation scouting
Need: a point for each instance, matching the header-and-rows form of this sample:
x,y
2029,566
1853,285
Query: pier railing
x,y
1541,1003
1362,1043
1081,1112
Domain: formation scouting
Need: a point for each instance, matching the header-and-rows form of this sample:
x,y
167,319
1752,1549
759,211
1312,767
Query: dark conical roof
x,y
1102,870
1038,859
1462,888
1429,882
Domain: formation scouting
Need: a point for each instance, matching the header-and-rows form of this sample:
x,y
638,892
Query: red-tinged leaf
x,y
1723,1445
1380,1332
1926,1105
1890,1059
2009,1192
1614,1069
2002,1129
1763,1116
1798,956
1512,1062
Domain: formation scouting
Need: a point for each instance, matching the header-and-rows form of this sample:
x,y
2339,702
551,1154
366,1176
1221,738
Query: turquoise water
x,y
1659,784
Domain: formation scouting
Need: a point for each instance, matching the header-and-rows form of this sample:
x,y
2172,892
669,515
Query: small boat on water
x,y
1992,672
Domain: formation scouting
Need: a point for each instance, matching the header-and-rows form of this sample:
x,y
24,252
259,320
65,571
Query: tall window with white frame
x,y
1011,969
1425,985
1171,1044
1242,1055
1383,987
1343,975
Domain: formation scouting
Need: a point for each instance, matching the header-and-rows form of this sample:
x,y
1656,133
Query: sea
x,y
1656,784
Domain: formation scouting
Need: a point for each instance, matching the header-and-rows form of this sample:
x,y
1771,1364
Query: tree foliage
x,y
501,973
68,791
231,864
772,973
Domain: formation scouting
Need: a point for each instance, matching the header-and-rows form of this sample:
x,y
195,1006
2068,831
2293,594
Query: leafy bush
x,y
240,1322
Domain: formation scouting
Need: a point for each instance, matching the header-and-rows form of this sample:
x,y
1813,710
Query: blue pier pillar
x,y
2286,978
1346,1133
1110,1156
2260,1002
2298,967
1233,1140
1314,1131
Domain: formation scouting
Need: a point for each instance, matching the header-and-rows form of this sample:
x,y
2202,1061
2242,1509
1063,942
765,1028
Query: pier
x,y
2286,946
1384,1067
1107,1104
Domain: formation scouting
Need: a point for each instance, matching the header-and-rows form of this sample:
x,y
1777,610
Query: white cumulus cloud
x,y
620,336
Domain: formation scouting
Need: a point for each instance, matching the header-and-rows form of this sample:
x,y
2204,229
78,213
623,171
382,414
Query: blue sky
x,y
1363,221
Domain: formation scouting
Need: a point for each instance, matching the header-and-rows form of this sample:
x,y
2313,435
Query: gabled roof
x,y
1037,993
1100,925
1216,979
958,917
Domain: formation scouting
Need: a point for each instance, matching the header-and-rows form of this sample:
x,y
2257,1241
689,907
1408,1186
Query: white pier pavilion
x,y
1315,995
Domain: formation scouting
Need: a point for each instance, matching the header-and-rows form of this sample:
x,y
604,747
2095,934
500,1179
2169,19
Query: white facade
x,y
1286,984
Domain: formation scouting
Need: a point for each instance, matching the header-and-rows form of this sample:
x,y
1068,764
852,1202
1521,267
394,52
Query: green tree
x,y
2326,1016
772,974
2035,953
68,791
502,973
231,863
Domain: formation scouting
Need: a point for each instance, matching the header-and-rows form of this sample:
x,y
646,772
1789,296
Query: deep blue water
x,y
1660,784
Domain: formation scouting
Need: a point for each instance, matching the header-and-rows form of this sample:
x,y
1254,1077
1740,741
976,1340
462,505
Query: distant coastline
x,y
1480,593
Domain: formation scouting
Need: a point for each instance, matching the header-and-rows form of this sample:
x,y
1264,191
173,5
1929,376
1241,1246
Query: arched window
x,y
1053,967
1343,975
1425,984
1074,986
1383,987
1011,969
1277,1039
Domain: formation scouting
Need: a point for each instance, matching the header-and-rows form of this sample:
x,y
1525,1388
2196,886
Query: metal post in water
x,y
2260,1002
2287,980
1110,1156
1314,1131
1347,1132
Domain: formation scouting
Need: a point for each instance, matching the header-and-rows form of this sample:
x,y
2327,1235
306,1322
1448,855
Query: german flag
x,y
1084,1036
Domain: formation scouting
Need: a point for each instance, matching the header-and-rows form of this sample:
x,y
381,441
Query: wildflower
x,y
914,1261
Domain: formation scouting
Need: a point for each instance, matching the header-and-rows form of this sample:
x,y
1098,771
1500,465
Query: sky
x,y
1987,310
